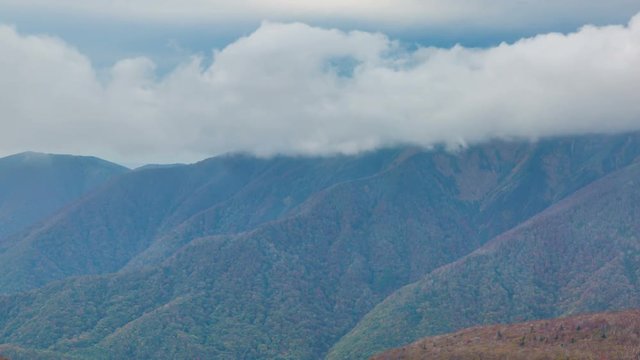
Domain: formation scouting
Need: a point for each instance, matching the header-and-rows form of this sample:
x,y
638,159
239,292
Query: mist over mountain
x,y
298,89
332,179
293,257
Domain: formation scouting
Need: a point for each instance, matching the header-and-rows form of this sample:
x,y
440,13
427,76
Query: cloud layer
x,y
297,89
488,13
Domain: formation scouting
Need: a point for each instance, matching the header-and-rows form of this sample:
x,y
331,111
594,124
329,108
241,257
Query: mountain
x,y
592,336
146,215
238,257
34,185
580,255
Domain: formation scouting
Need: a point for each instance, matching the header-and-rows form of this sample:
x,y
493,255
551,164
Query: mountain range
x,y
238,257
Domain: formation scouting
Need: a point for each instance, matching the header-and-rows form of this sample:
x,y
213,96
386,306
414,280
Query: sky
x,y
164,81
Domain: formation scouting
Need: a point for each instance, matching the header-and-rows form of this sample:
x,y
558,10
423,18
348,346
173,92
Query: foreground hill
x,y
581,254
33,185
593,336
237,257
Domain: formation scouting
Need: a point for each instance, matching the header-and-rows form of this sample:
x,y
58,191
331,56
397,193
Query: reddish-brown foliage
x,y
594,336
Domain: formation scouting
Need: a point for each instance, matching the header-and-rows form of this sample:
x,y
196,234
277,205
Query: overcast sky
x,y
176,81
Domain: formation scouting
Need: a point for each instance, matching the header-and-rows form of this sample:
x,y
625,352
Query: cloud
x,y
296,89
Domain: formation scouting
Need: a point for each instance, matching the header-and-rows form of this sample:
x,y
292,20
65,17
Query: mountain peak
x,y
41,158
28,155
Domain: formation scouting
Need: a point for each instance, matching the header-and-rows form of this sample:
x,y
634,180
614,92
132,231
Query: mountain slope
x,y
593,336
582,254
33,185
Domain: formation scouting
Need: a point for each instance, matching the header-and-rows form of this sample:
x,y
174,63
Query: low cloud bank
x,y
296,89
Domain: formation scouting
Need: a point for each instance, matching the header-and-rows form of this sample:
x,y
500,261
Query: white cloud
x,y
296,89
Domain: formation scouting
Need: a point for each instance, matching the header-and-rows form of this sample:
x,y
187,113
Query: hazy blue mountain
x,y
238,257
34,185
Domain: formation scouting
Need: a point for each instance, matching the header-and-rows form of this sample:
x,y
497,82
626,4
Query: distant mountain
x,y
34,185
593,336
579,255
238,257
